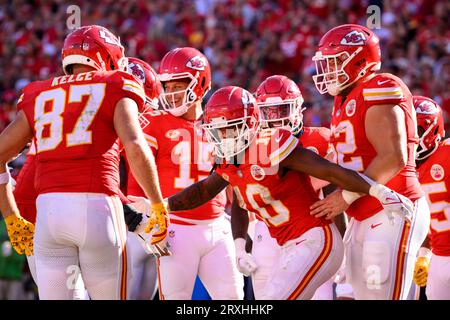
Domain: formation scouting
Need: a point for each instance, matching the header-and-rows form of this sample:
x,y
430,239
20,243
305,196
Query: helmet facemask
x,y
423,151
168,99
278,113
331,75
150,105
232,137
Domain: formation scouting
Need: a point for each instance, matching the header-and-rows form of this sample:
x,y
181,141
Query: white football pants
x,y
203,249
266,251
438,282
380,256
80,235
144,282
305,264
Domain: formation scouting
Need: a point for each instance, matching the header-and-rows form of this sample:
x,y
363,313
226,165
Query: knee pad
x,y
376,261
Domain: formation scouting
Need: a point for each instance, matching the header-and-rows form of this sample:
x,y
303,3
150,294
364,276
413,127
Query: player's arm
x,y
319,183
306,161
239,226
239,220
139,155
386,131
198,193
390,143
12,140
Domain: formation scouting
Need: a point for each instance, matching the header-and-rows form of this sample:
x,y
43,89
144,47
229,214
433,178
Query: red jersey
x,y
434,175
353,149
72,120
24,192
183,157
280,199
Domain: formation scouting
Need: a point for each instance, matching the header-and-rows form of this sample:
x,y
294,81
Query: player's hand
x,y
392,202
145,239
333,205
159,249
158,222
21,234
245,262
141,204
421,266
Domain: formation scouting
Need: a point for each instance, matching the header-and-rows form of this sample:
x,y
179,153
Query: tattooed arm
x,y
197,194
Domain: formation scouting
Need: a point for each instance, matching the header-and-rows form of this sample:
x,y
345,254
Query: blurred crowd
x,y
245,41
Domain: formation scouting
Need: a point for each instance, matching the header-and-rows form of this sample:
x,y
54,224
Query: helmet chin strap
x,y
102,63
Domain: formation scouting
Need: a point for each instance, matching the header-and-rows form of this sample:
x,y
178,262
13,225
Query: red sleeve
x,y
281,144
26,104
316,139
125,85
383,89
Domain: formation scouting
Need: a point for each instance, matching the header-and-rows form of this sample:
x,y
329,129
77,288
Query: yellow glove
x,y
159,221
421,267
21,233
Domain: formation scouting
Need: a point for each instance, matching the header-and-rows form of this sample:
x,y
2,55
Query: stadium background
x,y
245,41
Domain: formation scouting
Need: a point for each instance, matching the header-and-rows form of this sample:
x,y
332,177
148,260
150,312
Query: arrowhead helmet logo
x,y
427,107
137,71
197,63
353,38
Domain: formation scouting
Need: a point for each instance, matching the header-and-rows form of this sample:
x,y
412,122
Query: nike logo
x,y
381,82
373,226
278,139
298,242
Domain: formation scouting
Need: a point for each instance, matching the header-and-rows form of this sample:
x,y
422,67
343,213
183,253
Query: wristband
x,y
350,197
425,252
376,189
239,244
5,177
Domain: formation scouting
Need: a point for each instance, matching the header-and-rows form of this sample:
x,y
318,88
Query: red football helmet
x,y
430,126
93,46
346,54
147,76
280,103
188,64
231,120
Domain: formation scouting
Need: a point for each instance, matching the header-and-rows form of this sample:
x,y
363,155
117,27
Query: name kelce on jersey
x,y
72,78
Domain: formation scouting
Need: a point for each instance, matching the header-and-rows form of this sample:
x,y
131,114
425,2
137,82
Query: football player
x,y
268,171
280,104
373,131
200,239
75,121
434,168
143,284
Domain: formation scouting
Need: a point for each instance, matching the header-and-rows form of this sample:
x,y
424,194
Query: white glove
x,y
142,205
393,203
245,262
